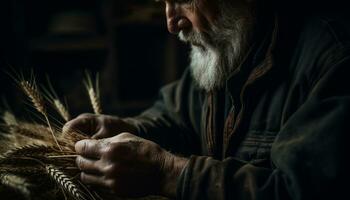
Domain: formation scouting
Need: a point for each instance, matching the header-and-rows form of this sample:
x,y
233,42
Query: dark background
x,y
126,42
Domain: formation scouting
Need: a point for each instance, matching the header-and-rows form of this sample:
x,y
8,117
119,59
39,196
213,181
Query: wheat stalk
x,y
18,183
73,137
94,93
32,92
64,156
31,131
28,133
25,133
65,182
21,170
31,151
24,156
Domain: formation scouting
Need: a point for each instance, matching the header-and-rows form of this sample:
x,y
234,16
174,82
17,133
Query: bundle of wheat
x,y
36,157
37,161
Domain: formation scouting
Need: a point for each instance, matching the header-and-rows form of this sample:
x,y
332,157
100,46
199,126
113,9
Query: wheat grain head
x,y
15,182
66,183
94,92
62,110
9,118
31,90
52,97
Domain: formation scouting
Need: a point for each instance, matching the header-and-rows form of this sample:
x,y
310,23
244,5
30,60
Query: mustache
x,y
198,39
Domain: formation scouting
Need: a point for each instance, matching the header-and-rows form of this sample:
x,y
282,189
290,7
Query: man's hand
x,y
98,126
128,165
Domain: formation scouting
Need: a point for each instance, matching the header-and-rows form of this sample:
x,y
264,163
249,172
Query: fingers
x,y
92,179
90,166
89,148
125,164
84,123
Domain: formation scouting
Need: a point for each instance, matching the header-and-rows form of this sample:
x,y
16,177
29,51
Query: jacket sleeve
x,y
169,122
309,156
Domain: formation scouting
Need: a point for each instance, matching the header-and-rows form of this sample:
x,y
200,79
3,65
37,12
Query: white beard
x,y
204,65
220,52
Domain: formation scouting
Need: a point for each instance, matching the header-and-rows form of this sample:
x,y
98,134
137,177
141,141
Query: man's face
x,y
218,31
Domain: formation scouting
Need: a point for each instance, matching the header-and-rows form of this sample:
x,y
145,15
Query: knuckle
x,y
125,135
85,115
110,170
119,148
107,151
115,151
112,184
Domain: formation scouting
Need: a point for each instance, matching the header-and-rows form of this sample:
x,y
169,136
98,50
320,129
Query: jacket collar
x,y
259,59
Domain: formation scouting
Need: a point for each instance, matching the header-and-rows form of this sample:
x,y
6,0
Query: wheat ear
x,y
94,93
32,150
9,118
15,182
65,182
29,132
94,101
52,97
32,92
61,109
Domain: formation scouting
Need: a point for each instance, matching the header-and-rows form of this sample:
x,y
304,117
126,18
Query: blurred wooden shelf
x,y
68,43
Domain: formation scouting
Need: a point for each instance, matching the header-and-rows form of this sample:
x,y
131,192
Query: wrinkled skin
x,y
98,126
128,165
124,165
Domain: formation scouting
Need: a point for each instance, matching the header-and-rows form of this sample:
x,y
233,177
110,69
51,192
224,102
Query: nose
x,y
176,21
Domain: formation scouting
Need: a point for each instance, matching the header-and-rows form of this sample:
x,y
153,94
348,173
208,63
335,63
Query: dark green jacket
x,y
279,130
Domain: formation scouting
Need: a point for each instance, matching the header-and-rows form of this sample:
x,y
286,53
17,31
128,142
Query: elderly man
x,y
261,113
